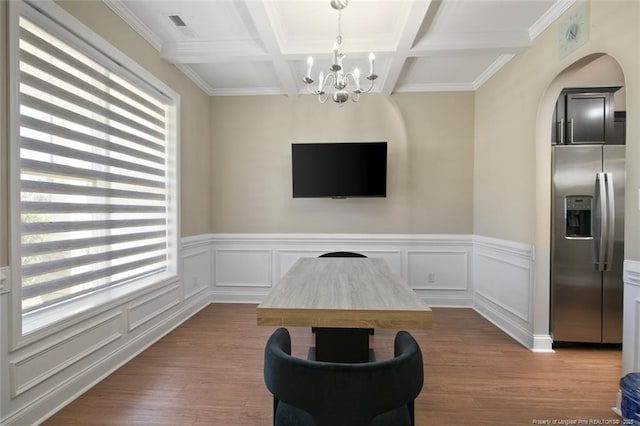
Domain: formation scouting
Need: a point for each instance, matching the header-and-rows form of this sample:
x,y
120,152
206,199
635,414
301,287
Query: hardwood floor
x,y
209,372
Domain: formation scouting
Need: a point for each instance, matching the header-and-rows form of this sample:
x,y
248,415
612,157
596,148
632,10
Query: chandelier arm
x,y
355,97
323,99
371,82
331,76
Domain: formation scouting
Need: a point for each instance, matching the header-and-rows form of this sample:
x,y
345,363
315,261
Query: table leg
x,y
342,345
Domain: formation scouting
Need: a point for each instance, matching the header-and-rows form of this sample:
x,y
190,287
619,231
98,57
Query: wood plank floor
x,y
209,372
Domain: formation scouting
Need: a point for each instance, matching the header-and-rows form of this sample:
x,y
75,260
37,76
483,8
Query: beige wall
x,y
512,149
446,175
430,163
194,131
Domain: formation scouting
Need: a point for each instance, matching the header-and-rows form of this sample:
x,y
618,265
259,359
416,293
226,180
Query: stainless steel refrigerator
x,y
587,243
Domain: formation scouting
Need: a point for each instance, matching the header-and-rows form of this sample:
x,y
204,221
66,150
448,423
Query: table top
x,y
343,292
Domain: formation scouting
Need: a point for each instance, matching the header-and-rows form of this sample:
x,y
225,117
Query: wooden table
x,y
343,298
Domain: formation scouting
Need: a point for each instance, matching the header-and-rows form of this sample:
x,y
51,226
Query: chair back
x,y
342,254
341,394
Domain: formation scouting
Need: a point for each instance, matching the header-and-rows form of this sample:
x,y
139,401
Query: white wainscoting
x,y
495,277
503,279
631,321
437,267
43,376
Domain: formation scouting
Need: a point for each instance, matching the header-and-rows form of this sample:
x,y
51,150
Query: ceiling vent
x,y
180,25
177,21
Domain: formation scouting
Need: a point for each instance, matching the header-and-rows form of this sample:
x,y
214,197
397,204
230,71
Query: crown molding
x,y
491,70
549,17
195,78
119,8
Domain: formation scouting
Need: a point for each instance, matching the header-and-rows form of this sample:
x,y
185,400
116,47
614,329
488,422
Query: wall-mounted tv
x,y
339,170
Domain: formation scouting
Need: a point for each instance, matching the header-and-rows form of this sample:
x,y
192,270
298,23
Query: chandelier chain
x,y
339,38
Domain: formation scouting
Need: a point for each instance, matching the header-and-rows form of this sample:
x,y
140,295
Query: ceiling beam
x,y
198,52
411,28
266,32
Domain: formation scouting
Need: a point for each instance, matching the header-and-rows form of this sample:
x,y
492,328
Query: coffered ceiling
x,y
259,47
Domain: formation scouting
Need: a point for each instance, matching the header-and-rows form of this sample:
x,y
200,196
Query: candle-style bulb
x,y
372,58
309,65
356,76
320,81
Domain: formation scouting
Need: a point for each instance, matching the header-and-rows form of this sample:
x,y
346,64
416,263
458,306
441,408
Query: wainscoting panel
x,y
243,268
197,271
631,320
44,375
438,270
503,284
146,309
36,366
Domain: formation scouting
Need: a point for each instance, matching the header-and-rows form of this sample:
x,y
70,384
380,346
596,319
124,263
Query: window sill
x,y
55,318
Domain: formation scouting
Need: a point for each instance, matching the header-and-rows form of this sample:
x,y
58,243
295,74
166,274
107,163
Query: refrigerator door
x,y
614,163
576,286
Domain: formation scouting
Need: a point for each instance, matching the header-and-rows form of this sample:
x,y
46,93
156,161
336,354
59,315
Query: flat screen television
x,y
339,170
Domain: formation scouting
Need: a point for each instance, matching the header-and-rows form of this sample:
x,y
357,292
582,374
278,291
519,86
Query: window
x,y
96,152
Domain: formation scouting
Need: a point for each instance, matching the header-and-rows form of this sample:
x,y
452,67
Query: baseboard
x,y
231,296
542,343
505,323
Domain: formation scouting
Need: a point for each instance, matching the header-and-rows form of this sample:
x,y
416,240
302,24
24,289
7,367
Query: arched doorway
x,y
595,70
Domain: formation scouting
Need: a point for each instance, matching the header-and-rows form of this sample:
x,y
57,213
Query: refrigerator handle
x,y
601,205
561,130
571,130
611,221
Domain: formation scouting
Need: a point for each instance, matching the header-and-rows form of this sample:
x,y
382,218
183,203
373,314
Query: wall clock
x,y
573,29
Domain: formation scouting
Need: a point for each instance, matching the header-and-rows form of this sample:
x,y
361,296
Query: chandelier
x,y
340,86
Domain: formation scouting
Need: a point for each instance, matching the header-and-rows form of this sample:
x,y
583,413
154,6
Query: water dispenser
x,y
578,216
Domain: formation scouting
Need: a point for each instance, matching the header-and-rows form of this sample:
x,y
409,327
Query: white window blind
x,y
94,197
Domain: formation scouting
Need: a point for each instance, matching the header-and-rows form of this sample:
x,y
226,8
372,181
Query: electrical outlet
x,y
431,277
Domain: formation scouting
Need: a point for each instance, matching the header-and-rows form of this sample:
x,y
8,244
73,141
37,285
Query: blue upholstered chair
x,y
313,393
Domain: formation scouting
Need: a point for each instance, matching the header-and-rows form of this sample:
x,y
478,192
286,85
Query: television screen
x,y
339,170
